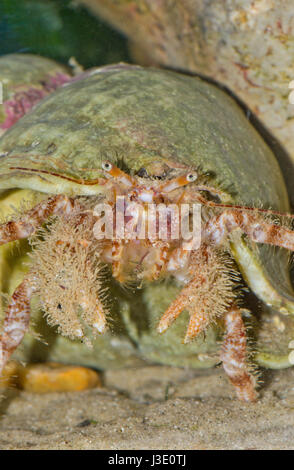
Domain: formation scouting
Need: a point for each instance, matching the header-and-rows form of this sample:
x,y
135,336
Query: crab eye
x,y
191,177
107,166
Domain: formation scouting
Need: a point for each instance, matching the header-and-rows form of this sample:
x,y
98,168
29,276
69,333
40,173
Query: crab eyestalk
x,y
178,182
118,175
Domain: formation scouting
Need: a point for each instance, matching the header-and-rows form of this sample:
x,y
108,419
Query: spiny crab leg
x,y
206,296
234,356
235,207
179,304
16,320
198,320
256,229
16,230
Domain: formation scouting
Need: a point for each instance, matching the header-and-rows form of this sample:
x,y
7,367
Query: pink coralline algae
x,y
25,98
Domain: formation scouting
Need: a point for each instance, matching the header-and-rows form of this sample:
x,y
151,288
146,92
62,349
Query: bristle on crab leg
x,y
16,321
23,228
255,228
234,356
198,322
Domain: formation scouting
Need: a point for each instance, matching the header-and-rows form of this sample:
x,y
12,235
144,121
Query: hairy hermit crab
x,y
85,162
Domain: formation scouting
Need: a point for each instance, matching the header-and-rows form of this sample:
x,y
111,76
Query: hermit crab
x,y
93,158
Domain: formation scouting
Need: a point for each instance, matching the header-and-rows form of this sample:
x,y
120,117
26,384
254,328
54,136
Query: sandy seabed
x,y
153,408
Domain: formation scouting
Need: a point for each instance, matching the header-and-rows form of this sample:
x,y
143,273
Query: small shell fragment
x,y
54,377
10,375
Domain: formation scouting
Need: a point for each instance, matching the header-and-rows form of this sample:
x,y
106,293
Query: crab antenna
x,y
118,174
52,173
178,182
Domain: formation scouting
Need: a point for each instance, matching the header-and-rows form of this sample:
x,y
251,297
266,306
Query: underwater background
x,y
59,29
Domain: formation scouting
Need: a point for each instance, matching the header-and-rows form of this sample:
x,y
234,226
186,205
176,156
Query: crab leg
x,y
23,228
16,320
234,356
207,294
198,321
257,230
